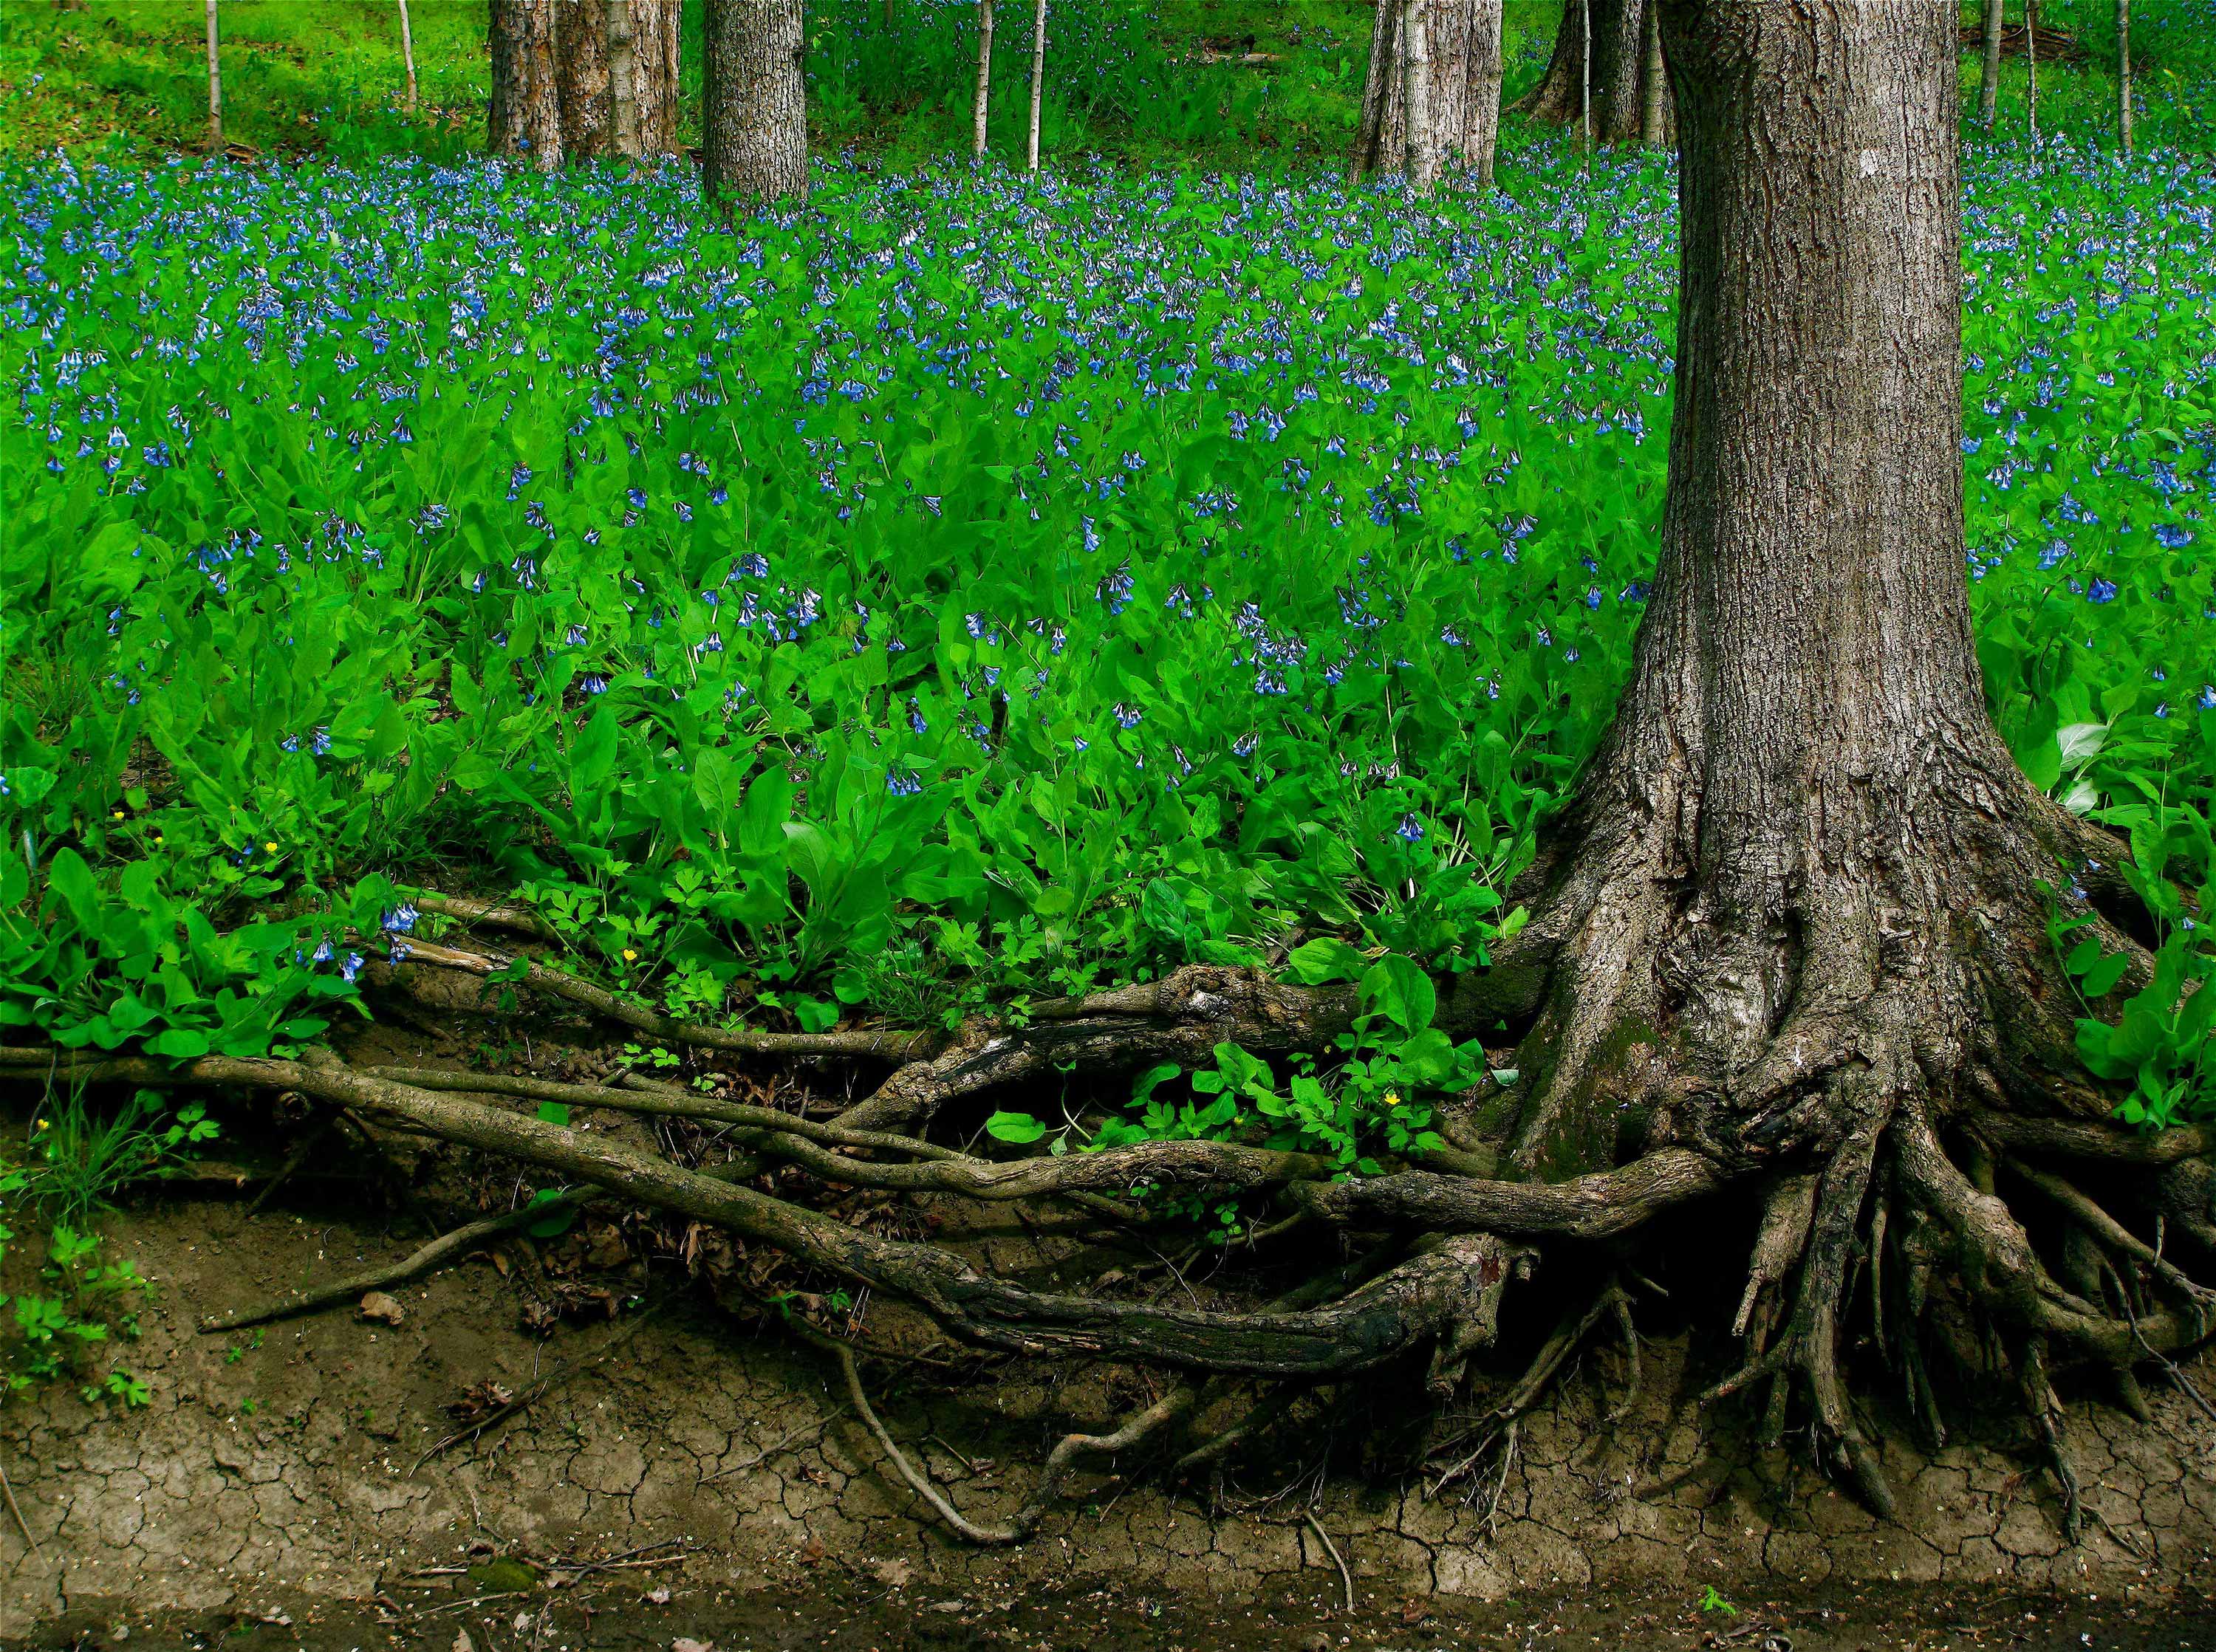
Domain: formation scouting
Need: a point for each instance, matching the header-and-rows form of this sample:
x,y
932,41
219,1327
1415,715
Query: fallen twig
x,y
1331,1549
538,1390
448,1247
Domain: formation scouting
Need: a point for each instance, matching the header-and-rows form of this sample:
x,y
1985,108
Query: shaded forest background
x,y
1216,83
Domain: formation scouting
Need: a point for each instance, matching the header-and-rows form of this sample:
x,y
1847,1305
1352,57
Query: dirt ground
x,y
676,1473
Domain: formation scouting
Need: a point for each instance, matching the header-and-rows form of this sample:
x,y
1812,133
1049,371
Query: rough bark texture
x,y
655,51
525,112
756,110
581,35
623,77
1618,71
1462,39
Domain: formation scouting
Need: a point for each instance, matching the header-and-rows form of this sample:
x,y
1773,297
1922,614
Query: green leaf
x,y
1326,958
1020,1128
1401,992
2102,979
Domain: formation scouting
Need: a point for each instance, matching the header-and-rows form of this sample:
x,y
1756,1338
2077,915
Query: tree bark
x,y
582,35
754,119
2124,74
1653,85
656,52
623,79
1989,74
1419,153
215,83
1462,93
408,54
2031,70
524,116
1618,67
980,106
1038,79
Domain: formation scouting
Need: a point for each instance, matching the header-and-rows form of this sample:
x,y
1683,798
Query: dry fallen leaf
x,y
382,1307
658,1597
893,1574
686,1643
461,1641
811,1551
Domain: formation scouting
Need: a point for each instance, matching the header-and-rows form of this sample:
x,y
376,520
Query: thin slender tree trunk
x,y
2124,74
582,34
984,79
1989,78
1652,83
1585,73
525,117
408,54
623,79
1038,78
754,113
1421,161
2031,67
215,83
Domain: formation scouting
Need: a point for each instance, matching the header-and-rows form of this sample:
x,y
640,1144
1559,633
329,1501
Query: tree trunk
x,y
1462,42
1795,917
1617,68
215,83
2031,70
755,115
2124,74
656,54
1038,78
1419,153
979,108
623,79
408,54
524,116
1653,124
1989,74
582,34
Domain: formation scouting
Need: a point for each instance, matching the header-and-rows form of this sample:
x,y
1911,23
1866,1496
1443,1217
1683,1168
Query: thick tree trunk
x,y
1796,915
581,30
215,82
1618,68
1654,84
656,53
525,113
1462,42
755,118
408,54
1988,72
1038,80
623,78
981,104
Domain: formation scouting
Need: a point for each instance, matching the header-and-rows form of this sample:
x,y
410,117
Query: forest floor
x,y
568,1443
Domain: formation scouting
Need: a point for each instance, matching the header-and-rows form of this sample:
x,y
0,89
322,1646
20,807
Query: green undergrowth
x,y
965,591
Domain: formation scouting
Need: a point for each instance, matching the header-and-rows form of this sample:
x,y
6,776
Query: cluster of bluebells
x,y
1343,510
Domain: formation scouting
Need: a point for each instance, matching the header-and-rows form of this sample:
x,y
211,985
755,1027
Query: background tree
x,y
2124,74
1619,65
755,101
524,116
580,42
1988,72
1038,79
980,104
408,54
215,82
1461,117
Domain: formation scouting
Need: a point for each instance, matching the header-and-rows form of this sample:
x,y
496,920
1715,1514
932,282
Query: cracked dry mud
x,y
278,1480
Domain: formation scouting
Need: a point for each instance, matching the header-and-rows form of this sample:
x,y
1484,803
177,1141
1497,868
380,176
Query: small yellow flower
x,y
118,814
1392,1098
40,1124
631,954
269,848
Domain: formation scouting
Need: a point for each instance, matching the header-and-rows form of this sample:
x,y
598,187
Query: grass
x,y
1124,81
